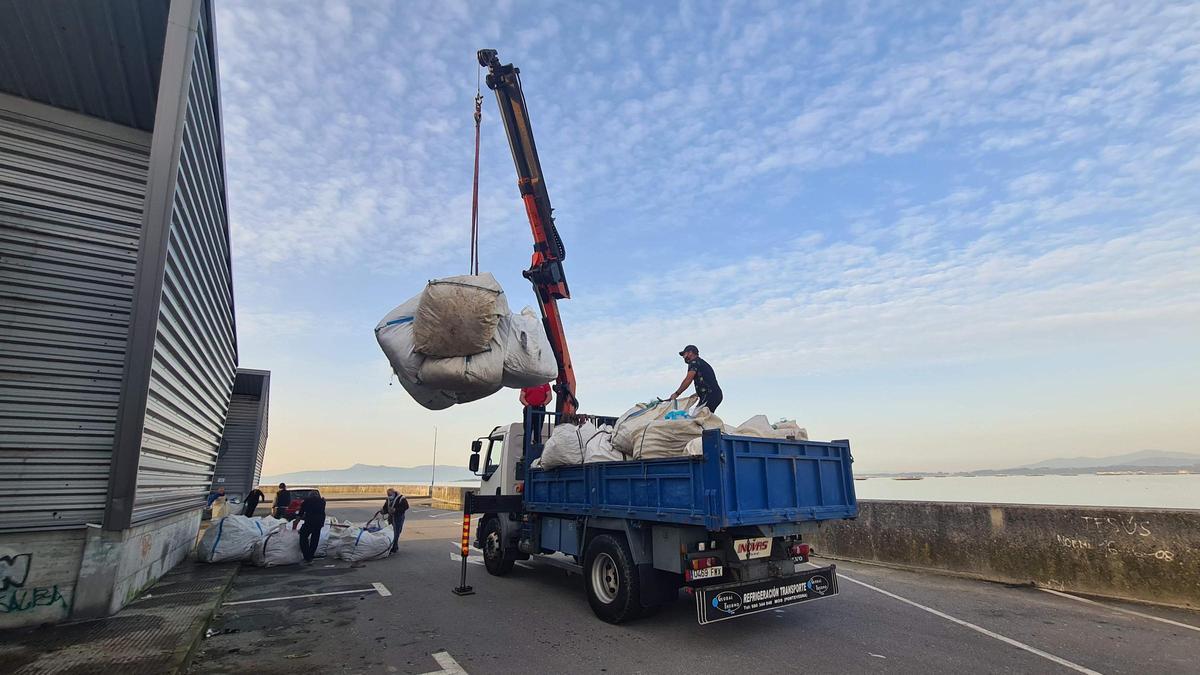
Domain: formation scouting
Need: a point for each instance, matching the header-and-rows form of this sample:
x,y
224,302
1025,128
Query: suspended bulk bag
x,y
395,336
466,378
529,359
457,316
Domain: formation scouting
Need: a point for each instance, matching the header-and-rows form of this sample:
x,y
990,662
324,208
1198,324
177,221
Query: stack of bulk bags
x,y
456,342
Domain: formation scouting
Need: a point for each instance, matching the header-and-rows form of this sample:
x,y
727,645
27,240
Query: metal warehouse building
x,y
239,464
117,337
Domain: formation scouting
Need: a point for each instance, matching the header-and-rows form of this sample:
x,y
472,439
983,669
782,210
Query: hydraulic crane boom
x,y
546,269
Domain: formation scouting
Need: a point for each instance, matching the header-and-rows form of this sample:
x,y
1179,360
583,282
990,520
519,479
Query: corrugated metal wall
x,y
70,211
235,466
195,348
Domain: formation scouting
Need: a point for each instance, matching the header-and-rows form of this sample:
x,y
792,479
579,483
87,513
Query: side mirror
x,y
476,446
473,463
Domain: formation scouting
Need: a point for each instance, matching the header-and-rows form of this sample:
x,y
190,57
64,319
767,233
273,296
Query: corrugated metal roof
x,y
70,213
195,349
97,57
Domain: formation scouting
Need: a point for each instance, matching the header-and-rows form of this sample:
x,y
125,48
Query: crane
x,y
546,268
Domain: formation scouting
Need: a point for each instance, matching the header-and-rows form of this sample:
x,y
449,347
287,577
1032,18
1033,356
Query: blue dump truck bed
x,y
737,481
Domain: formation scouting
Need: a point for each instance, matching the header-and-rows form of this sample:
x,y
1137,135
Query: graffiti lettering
x,y
1072,542
14,570
1129,525
25,600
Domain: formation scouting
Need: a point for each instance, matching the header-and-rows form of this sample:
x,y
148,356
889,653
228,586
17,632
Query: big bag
x,y
457,316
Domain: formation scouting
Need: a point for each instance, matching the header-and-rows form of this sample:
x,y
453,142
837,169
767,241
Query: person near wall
x,y
214,496
252,501
394,508
312,513
283,499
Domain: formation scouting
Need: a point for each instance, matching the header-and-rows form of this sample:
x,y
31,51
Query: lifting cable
x,y
475,185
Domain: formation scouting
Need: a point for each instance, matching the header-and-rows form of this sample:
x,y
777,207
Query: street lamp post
x,y
433,469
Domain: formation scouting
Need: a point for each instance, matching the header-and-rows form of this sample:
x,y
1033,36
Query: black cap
x,y
690,348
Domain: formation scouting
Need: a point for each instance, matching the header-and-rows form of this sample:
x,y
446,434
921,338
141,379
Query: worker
x,y
252,501
312,512
535,399
283,499
702,375
394,509
214,496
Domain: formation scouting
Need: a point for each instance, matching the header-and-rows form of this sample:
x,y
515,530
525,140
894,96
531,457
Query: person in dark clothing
x,y
214,496
252,501
394,509
701,374
283,499
312,512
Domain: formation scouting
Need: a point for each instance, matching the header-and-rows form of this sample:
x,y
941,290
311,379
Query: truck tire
x,y
611,577
495,559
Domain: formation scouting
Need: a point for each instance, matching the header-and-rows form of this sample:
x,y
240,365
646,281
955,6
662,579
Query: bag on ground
x,y
281,546
365,543
230,538
528,359
457,316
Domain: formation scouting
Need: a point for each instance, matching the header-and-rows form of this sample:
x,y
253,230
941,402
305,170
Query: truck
x,y
730,526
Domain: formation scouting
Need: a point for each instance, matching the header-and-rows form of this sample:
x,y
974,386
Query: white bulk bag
x,y
323,538
395,336
457,316
790,429
467,378
630,425
599,447
230,538
281,546
529,359
757,426
363,543
566,444
670,438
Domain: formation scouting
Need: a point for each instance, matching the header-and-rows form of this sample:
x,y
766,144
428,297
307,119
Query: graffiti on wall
x,y
16,596
1116,536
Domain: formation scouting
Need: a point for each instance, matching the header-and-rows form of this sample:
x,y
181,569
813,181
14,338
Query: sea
x,y
1172,491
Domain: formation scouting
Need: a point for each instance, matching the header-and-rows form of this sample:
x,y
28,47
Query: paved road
x,y
537,620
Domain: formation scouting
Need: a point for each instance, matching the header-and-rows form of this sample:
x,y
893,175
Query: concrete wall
x,y
450,497
38,572
347,492
1141,554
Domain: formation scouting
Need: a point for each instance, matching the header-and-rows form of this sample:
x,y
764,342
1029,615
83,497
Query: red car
x,y
298,497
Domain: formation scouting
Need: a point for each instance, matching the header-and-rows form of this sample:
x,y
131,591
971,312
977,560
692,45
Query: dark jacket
x,y
254,497
392,508
312,511
283,498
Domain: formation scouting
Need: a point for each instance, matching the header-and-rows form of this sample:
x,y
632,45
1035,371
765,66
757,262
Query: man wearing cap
x,y
700,373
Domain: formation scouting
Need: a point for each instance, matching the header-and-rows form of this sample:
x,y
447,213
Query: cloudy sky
x,y
962,236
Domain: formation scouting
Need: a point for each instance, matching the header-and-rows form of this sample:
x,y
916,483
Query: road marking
x,y
448,664
375,588
522,563
470,559
967,624
1122,609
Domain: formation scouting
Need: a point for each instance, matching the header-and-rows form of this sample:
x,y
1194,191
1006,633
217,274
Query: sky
x,y
961,235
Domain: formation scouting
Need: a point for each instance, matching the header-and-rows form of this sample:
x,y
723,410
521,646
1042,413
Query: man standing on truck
x,y
536,399
312,512
700,373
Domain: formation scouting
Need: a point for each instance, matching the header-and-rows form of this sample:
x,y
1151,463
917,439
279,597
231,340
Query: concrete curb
x,y
184,654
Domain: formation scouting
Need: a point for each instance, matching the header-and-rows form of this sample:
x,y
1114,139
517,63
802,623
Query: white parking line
x,y
470,559
967,624
448,664
1122,609
375,588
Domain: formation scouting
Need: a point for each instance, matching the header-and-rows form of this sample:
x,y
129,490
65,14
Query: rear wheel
x,y
612,580
494,558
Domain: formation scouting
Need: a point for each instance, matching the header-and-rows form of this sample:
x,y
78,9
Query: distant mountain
x,y
1142,458
366,473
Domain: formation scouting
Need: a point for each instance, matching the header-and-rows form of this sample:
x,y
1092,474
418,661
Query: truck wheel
x,y
611,579
494,559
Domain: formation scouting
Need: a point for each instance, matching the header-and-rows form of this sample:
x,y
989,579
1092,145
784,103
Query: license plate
x,y
718,603
708,573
